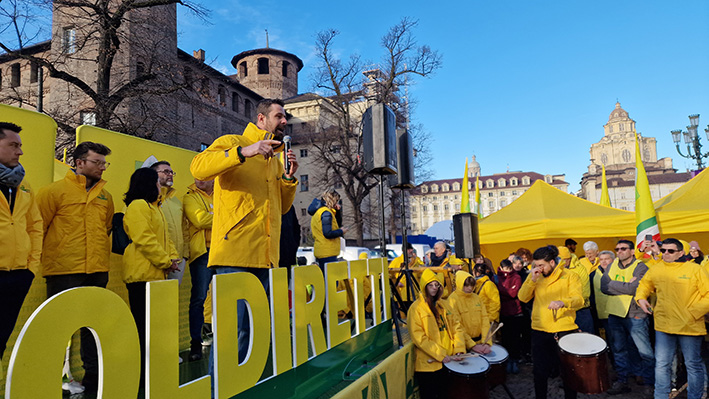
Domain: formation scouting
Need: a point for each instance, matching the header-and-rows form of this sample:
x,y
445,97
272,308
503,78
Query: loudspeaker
x,y
379,140
405,161
467,236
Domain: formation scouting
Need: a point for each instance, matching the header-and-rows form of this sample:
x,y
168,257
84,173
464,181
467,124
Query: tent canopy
x,y
684,213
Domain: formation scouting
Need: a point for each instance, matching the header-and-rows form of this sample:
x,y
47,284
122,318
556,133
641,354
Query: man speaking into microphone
x,y
252,189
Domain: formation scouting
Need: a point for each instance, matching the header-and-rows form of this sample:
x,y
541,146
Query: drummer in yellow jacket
x,y
487,291
682,289
470,311
436,334
557,295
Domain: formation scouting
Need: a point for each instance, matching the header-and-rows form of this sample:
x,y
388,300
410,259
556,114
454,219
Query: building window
x,y
525,181
221,94
247,108
425,208
503,203
335,149
502,193
514,192
285,69
455,197
435,208
434,188
457,207
626,156
243,69
263,66
445,207
15,75
501,182
547,179
413,209
304,185
303,212
424,189
303,153
490,194
87,118
445,187
34,72
139,69
203,146
490,184
445,197
456,187
235,100
69,40
491,204
513,181
435,198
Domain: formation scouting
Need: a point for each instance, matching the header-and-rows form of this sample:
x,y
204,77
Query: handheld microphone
x,y
287,144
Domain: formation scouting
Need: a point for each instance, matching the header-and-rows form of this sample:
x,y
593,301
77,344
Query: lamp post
x,y
691,138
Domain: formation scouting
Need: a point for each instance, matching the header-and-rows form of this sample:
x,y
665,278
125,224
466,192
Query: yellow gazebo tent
x,y
684,213
546,215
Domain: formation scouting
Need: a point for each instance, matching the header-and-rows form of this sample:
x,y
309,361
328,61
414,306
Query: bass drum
x,y
584,363
467,378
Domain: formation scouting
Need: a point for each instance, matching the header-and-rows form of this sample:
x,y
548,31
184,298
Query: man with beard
x,y
557,295
78,214
251,193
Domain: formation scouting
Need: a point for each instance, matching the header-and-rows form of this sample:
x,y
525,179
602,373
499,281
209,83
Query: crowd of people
x,y
648,302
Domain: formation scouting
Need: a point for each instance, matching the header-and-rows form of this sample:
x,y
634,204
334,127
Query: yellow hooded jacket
x,y
590,267
250,196
20,232
77,224
199,213
490,295
430,340
470,311
561,285
172,209
682,296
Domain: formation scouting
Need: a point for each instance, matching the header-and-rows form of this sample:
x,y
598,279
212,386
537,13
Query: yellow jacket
x,y
470,311
172,209
20,232
324,247
682,296
488,293
250,197
585,282
397,263
199,213
588,265
77,224
561,285
151,250
431,341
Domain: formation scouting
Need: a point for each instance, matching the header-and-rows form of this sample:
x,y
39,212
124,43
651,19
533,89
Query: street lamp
x,y
691,138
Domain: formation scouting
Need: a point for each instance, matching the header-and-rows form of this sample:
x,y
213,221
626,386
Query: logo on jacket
x,y
25,189
102,197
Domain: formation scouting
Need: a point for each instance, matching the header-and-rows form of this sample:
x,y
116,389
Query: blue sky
x,y
525,85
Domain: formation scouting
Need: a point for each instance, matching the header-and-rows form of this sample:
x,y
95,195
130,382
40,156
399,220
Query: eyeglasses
x,y
669,251
622,249
98,163
168,172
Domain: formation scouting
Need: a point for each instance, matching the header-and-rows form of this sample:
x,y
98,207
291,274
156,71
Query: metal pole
x,y
404,239
382,231
40,89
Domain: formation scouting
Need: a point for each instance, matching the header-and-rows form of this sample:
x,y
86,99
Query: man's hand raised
x,y
263,147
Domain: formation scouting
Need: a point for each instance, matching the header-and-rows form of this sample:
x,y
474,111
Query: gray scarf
x,y
11,176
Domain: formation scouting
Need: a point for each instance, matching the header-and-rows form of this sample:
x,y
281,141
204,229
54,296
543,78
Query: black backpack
x,y
120,239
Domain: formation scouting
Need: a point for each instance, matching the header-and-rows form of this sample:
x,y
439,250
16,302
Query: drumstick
x,y
493,333
488,332
461,356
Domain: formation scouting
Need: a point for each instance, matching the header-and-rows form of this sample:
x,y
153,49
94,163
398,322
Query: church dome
x,y
618,114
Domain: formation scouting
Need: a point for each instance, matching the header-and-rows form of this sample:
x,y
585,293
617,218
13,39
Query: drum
x,y
467,378
584,363
498,363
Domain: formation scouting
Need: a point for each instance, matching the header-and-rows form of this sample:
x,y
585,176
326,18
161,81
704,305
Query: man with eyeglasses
x,y
682,290
77,213
627,323
172,209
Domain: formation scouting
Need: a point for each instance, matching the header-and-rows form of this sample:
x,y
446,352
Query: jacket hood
x,y
429,276
460,277
315,205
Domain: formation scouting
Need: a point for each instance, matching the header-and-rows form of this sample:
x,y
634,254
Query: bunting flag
x,y
478,207
605,198
645,218
465,201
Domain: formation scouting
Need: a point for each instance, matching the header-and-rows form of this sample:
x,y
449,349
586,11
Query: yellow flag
x,y
605,197
645,218
465,201
478,207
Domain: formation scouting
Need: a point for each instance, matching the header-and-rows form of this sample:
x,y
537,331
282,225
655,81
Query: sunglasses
x,y
622,249
670,251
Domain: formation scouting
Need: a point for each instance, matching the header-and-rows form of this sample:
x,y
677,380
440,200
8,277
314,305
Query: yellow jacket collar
x,y
193,188
166,193
254,134
80,180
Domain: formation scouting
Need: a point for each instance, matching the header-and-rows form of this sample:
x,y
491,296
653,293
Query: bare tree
x,y
94,58
347,94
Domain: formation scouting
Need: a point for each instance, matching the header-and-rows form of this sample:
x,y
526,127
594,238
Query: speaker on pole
x,y
467,237
404,178
379,140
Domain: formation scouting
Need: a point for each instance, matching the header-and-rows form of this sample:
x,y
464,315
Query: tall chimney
x,y
199,54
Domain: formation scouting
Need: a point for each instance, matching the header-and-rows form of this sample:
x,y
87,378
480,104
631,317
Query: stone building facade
x,y
616,150
437,200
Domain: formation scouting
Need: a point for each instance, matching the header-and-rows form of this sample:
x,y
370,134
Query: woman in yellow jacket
x,y
487,291
326,231
436,334
151,254
471,313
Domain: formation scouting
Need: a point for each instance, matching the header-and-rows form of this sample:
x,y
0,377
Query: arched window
x,y
221,94
263,66
434,188
501,182
490,184
247,108
243,69
285,68
445,187
205,87
456,186
235,100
